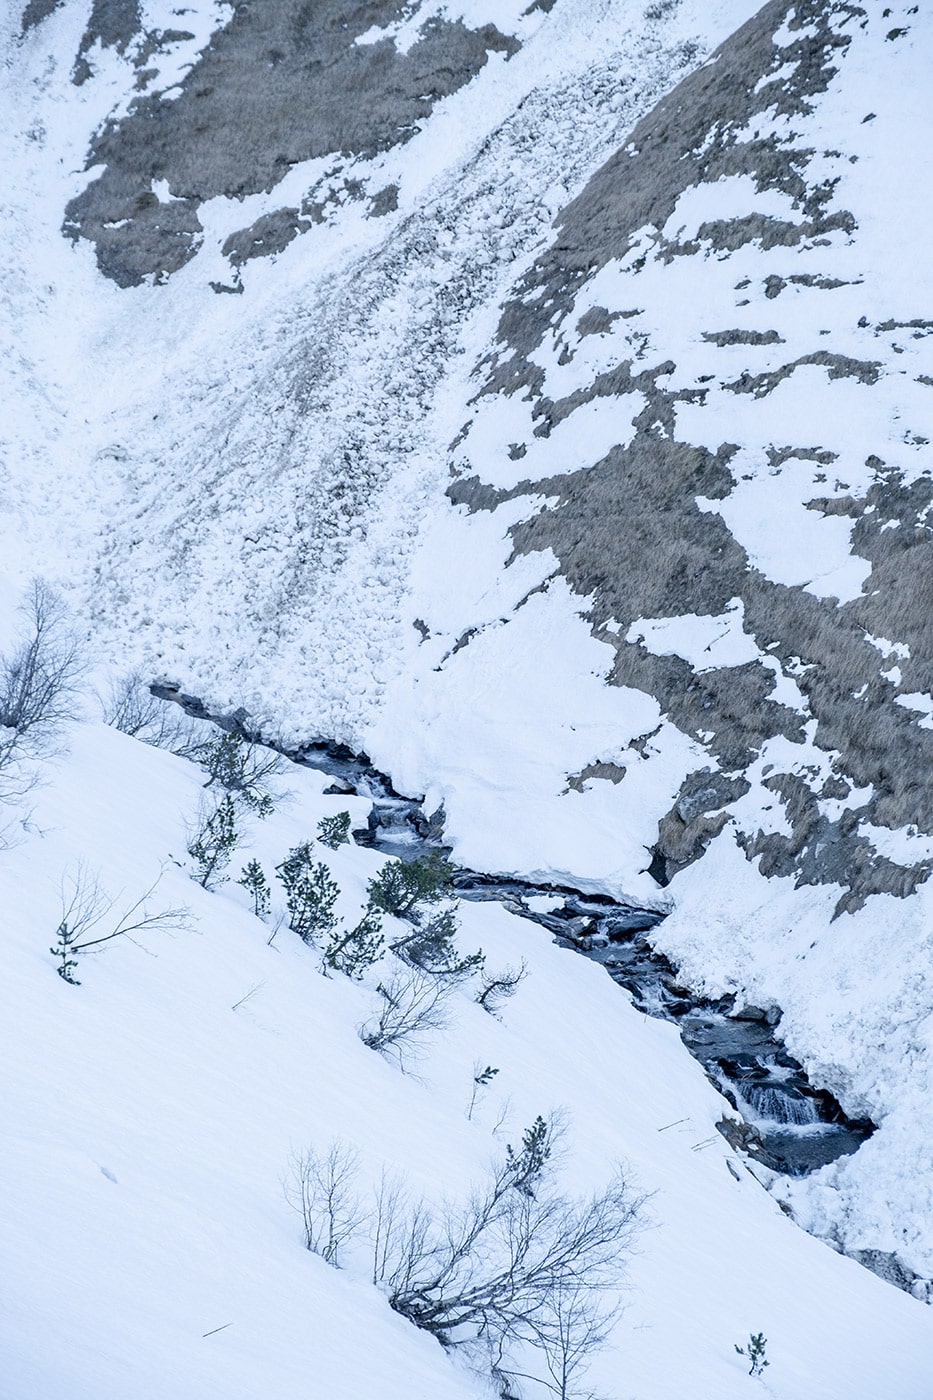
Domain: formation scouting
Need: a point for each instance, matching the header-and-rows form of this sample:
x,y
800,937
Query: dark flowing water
x,y
786,1123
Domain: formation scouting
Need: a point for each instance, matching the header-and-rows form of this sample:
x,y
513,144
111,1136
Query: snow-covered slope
x,y
150,1115
543,406
282,445
704,426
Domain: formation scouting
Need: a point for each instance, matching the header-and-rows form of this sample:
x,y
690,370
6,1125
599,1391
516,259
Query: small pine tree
x,y
352,951
242,768
526,1165
253,880
66,936
334,831
310,894
482,1078
403,884
214,843
754,1353
432,947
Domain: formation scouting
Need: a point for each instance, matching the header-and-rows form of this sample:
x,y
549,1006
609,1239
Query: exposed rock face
x,y
647,529
279,84
707,411
36,11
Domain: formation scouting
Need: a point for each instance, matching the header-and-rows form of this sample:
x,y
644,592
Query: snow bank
x,y
152,1111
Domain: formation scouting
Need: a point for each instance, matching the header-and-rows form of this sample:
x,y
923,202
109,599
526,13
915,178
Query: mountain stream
x,y
786,1124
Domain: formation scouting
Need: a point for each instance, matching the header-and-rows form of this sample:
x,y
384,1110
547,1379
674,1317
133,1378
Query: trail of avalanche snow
x,y
316,492
263,492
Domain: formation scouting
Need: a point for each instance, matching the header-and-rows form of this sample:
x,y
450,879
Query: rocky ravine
x,y
669,626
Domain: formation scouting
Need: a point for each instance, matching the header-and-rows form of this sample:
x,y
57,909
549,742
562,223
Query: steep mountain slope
x,y
707,413
154,1111
538,397
772,479
336,375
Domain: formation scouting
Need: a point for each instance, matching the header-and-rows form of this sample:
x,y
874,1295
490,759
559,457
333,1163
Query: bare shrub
x,y
498,987
86,911
494,1268
518,1265
413,1007
519,1273
39,682
133,709
576,1322
322,1188
389,1223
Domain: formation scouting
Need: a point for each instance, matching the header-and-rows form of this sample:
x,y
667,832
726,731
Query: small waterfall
x,y
779,1105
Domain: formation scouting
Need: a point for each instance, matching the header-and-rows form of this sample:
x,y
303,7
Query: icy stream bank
x,y
786,1123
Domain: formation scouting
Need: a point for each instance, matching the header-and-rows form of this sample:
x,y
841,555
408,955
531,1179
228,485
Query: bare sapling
x,y
87,922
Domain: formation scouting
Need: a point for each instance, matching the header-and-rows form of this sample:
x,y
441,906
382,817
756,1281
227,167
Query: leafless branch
x,y
413,1007
86,908
499,986
518,1272
133,709
257,987
514,1265
39,682
322,1188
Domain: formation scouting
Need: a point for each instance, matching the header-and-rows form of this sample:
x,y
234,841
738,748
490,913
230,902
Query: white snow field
x,y
244,496
150,1114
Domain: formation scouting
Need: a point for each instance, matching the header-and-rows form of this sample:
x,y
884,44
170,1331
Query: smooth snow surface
x,y
150,1114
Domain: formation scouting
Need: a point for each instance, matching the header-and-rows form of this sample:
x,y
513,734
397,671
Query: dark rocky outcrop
x,y
634,531
277,85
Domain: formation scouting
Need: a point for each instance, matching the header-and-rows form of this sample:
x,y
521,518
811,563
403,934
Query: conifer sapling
x,y
334,831
214,843
241,768
754,1353
310,894
352,951
404,883
527,1163
253,879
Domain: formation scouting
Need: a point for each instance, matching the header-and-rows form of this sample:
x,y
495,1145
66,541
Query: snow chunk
x,y
707,642
922,703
